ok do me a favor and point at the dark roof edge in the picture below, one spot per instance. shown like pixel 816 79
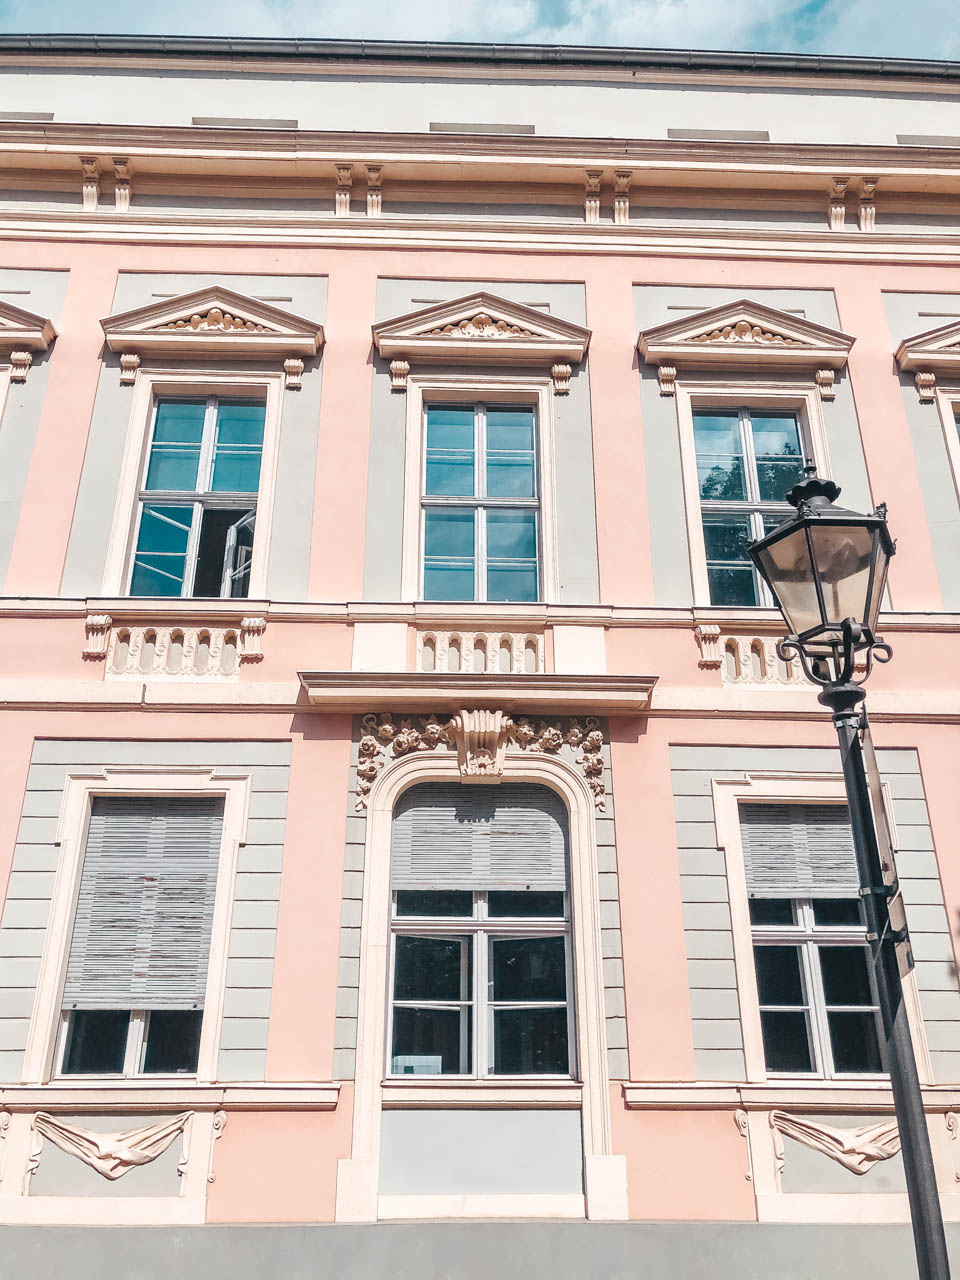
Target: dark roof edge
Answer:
pixel 505 54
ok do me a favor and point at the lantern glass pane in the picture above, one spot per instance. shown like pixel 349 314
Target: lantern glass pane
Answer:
pixel 879 584
pixel 787 565
pixel 844 554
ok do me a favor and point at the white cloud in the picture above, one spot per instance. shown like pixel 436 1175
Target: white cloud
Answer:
pixel 925 28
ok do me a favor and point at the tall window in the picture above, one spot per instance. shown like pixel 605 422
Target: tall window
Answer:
pixel 747 461
pixel 137 970
pixel 819 1008
pixel 198 502
pixel 481 977
pixel 481 503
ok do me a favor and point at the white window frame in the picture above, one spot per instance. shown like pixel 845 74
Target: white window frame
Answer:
pixel 693 397
pixel 475 389
pixel 43 1040
pixel 153 385
pixel 778 788
pixel 948 407
pixel 482 928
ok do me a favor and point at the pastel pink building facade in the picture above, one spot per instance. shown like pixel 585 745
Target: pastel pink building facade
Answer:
pixel 385 472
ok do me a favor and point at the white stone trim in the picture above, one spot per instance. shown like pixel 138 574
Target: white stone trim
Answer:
pixel 805 400
pixel 783 788
pixel 948 405
pixel 148 384
pixel 357 1185
pixel 78 792
pixel 475 387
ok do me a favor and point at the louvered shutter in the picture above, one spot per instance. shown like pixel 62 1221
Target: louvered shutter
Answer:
pixel 450 836
pixel 798 851
pixel 141 938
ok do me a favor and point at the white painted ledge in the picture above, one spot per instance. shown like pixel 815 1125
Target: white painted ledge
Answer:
pixel 70 1096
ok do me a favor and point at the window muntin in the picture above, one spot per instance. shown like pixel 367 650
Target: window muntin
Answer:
pixel 747 460
pixel 483 994
pixel 819 1010
pixel 480 503
pixel 198 501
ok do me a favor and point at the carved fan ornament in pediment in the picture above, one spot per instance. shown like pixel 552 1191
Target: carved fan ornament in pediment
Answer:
pixel 745 331
pixel 215 320
pixel 481 329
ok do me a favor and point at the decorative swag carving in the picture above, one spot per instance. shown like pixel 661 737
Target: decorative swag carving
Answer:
pixel 856 1149
pixel 481 739
pixel 110 1154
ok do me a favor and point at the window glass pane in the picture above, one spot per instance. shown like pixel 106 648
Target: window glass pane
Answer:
pixel 511 554
pixel 846 979
pixel 836 910
pixel 223 538
pixel 175 451
pixel 520 902
pixel 719 455
pixel 450 450
pixel 786 1044
pixel 160 560
pixel 530 1042
pixel 778 975
pixel 173 1041
pixel 434 902
pixel 236 459
pixel 729 570
pixel 448 547
pixel 431 1042
pixel 528 968
pixel 96 1042
pixel 432 969
pixel 511 460
pixel 732 586
pixel 771 911
pixel 853 1039
pixel 779 454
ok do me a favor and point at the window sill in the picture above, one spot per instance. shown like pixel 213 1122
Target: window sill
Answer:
pixel 126 1095
pixel 823 1095
pixel 482 1093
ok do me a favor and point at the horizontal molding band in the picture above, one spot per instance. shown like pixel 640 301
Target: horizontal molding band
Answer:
pixel 126 1096
pixel 815 1096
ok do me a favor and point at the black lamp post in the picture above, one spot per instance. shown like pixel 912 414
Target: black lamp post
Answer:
pixel 826 568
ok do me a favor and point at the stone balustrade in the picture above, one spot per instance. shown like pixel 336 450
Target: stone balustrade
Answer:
pixel 746 659
pixel 185 651
pixel 507 652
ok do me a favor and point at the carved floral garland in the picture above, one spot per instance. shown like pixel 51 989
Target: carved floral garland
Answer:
pixel 221 321
pixel 385 737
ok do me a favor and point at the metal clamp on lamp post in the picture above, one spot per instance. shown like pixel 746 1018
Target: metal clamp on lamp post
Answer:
pixel 826 567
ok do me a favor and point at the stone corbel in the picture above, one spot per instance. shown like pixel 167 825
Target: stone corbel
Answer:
pixel 481 740
pixel 129 364
pixel 867 209
pixel 374 190
pixel 293 373
pixel 110 1154
pixel 96 635
pixel 561 379
pixel 399 372
pixel 826 383
pixel 837 206
pixel 251 639
pixel 708 638
pixel 344 183
pixel 667 379
pixel 858 1150
pixel 90 189
pixel 621 196
pixel 926 384
pixel 591 196
pixel 219 1124
pixel 122 189
pixel 20 362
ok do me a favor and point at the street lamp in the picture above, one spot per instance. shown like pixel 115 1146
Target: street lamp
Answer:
pixel 826 568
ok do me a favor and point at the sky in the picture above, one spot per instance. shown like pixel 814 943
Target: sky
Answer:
pixel 890 28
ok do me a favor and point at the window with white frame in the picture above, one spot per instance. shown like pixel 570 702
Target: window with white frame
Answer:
pixel 747 461
pixel 198 498
pixel 481 967
pixel 819 1008
pixel 480 503
pixel 136 976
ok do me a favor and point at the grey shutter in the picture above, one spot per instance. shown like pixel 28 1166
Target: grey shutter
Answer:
pixel 452 836
pixel 141 938
pixel 798 851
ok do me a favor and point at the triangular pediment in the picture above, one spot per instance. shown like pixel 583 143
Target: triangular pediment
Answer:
pixel 24 330
pixel 744 332
pixel 481 327
pixel 214 319
pixel 935 349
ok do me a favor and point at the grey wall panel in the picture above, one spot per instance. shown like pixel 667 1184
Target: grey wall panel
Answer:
pixel 256 889
pixel 288 567
pixel 41 292
pixel 574 489
pixel 707 931
pixel 659 304
pixel 481 1152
